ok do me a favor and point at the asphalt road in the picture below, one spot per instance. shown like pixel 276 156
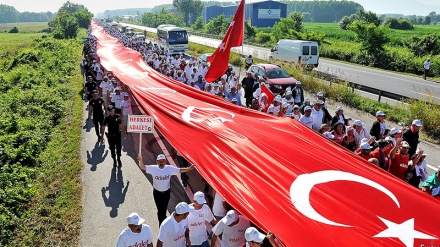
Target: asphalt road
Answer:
pixel 409 86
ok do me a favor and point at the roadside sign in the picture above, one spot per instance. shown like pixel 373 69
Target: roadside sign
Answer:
pixel 140 124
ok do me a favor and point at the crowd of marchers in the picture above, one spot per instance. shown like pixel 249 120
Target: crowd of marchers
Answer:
pixel 393 150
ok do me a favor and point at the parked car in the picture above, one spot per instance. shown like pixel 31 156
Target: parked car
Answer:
pixel 278 78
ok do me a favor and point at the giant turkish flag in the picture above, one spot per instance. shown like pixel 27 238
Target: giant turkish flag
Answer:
pixel 275 171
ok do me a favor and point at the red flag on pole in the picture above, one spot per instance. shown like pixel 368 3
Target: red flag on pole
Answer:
pixel 233 38
pixel 269 94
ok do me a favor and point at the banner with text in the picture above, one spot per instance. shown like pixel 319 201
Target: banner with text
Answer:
pixel 140 124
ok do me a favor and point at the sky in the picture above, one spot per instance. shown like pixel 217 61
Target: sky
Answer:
pixel 407 7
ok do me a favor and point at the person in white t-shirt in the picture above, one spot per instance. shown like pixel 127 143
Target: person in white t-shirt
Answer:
pixel 116 99
pixel 174 231
pixel 317 115
pixel 232 226
pixel 103 88
pixel 255 239
pixel 126 108
pixel 161 174
pixel 136 233
pixel 197 220
pixel 307 118
pixel 218 207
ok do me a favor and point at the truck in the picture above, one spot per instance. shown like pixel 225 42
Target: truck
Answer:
pixel 302 52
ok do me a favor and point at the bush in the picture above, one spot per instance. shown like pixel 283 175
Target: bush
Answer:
pixel 13 30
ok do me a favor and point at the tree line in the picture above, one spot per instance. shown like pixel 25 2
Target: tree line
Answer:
pixel 9 14
pixel 70 17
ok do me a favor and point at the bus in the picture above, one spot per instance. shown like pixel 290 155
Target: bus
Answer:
pixel 172 38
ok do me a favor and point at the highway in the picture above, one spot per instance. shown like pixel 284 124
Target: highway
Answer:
pixel 409 86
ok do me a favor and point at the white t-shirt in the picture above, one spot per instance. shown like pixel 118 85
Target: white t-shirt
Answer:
pixel 126 104
pixel 197 224
pixel 117 99
pixel 273 109
pixel 217 207
pixel 318 116
pixel 232 236
pixel 162 177
pixel 359 136
pixel 128 238
pixel 172 233
pixel 104 86
pixel 308 121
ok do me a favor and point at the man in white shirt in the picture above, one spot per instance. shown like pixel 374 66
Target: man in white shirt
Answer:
pixel 426 67
pixel 307 119
pixel 103 88
pixel 161 173
pixel 318 115
pixel 274 108
pixel 197 220
pixel 116 99
pixel 232 226
pixel 174 231
pixel 126 108
pixel 136 234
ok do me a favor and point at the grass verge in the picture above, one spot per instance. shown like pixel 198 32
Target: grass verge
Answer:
pixel 40 138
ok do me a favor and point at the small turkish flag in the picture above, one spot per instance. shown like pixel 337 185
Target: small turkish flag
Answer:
pixel 269 94
pixel 233 38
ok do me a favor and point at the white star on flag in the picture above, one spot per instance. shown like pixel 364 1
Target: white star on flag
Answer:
pixel 232 23
pixel 222 46
pixel 404 232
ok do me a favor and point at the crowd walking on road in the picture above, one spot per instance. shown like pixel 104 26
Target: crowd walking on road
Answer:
pixel 393 150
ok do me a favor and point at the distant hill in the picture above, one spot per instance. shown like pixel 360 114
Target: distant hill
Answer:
pixel 119 12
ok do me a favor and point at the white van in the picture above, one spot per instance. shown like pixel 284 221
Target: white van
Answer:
pixel 298 51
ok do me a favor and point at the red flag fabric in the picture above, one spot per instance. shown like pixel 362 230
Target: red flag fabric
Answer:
pixel 233 38
pixel 270 96
pixel 275 171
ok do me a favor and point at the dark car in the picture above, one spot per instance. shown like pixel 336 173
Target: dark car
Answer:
pixel 278 78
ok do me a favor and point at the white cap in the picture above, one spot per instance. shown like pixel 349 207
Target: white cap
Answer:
pixel 285 104
pixel 278 98
pixel 366 146
pixel 417 122
pixel 134 219
pixel 161 157
pixel 328 135
pixel 364 140
pixel 230 217
pixel 307 100
pixel 358 123
pixel 394 131
pixel 388 138
pixel 253 235
pixel 298 83
pixel 405 144
pixel 320 94
pixel 199 197
pixel 380 113
pixel 183 208
pixel 307 108
pixel 339 108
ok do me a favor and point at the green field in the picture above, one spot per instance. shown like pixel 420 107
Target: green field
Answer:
pixel 24 27
pixel 41 109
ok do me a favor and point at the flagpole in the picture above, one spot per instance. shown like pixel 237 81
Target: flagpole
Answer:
pixel 242 44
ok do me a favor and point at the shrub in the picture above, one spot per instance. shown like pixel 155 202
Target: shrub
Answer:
pixel 13 30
